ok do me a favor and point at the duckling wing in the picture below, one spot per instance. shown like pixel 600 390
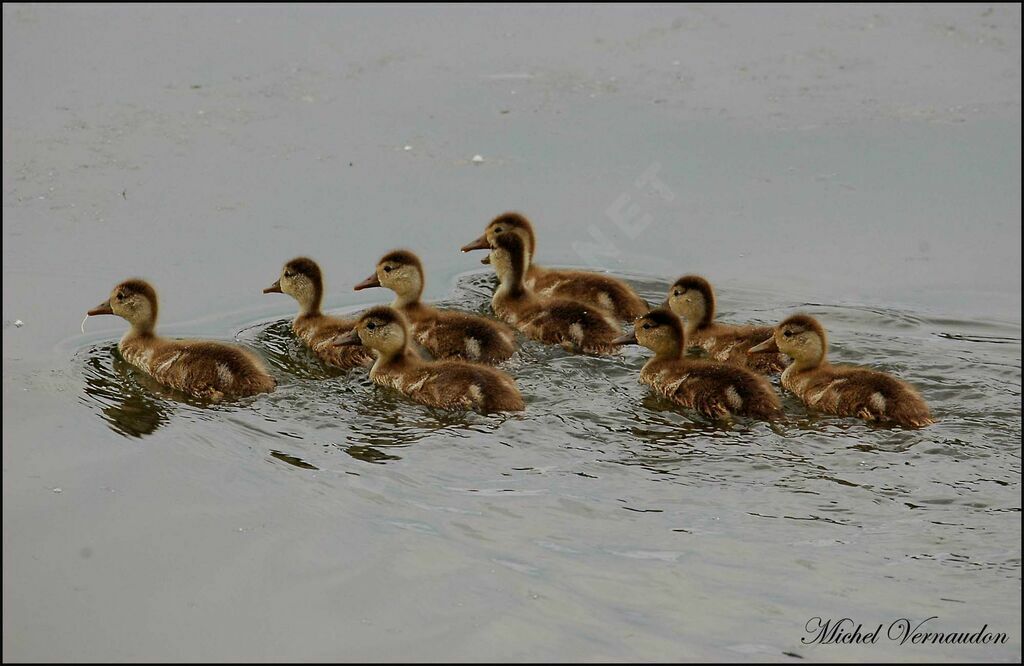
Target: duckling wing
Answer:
pixel 602 291
pixel 461 385
pixel 717 389
pixel 208 369
pixel 458 335
pixel 575 326
pixel 875 396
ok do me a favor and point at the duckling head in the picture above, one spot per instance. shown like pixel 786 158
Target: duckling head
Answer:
pixel 504 224
pixel 133 300
pixel 382 329
pixel 693 299
pixel 400 271
pixel 800 337
pixel 660 331
pixel 301 279
pixel 509 257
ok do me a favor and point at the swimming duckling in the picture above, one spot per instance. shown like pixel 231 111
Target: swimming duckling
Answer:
pixel 714 389
pixel 445 334
pixel 444 384
pixel 560 321
pixel 203 369
pixel 301 279
pixel 693 299
pixel 844 390
pixel 601 291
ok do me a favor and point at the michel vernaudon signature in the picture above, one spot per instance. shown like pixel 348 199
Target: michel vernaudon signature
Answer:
pixel 845 631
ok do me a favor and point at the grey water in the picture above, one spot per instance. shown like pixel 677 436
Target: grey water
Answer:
pixel 861 164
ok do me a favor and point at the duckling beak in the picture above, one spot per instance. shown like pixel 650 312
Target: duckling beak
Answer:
pixel 350 339
pixel 479 244
pixel 372 281
pixel 102 308
pixel 274 288
pixel 766 346
pixel 627 339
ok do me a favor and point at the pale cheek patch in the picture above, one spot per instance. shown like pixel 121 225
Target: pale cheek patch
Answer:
pixel 576 333
pixel 877 402
pixel 473 348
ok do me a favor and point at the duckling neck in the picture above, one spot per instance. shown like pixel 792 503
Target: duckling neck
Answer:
pixel 311 307
pixel 142 329
pixel 669 354
pixel 407 298
pixel 513 289
pixel 402 356
pixel 513 283
pixel 812 363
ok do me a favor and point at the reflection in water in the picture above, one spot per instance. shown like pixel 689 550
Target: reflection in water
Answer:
pixel 295 461
pixel 369 454
pixel 126 400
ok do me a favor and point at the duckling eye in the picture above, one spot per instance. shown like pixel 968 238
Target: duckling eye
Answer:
pixel 678 293
pixel 387 269
pixel 788 334
pixel 647 326
pixel 289 274
pixel 120 296
pixel 371 326
pixel 498 230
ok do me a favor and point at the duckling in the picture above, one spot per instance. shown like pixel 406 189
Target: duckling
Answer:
pixel 443 384
pixel 445 334
pixel 693 299
pixel 571 324
pixel 203 369
pixel 843 390
pixel 714 389
pixel 302 280
pixel 600 291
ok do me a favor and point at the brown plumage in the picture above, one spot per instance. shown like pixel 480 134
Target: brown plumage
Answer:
pixel 573 325
pixel 443 384
pixel 203 369
pixel 712 388
pixel 840 389
pixel 302 280
pixel 594 289
pixel 444 333
pixel 693 299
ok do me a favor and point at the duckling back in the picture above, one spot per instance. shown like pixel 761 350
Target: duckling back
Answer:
pixel 204 369
pixel 451 385
pixel 593 289
pixel 728 343
pixel 861 392
pixel 573 325
pixel 714 389
pixel 458 335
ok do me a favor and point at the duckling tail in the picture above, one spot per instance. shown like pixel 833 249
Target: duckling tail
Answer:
pixel 909 410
